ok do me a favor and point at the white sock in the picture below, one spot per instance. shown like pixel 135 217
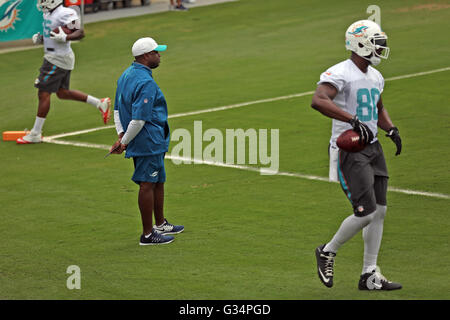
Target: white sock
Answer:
pixel 38 124
pixel 369 268
pixel 147 235
pixel 372 235
pixel 93 100
pixel 349 227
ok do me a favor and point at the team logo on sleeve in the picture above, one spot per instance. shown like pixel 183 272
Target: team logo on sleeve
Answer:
pixel 9 14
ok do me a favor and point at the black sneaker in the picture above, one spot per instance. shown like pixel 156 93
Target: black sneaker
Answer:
pixel 325 265
pixel 376 281
pixel 168 228
pixel 180 8
pixel 154 239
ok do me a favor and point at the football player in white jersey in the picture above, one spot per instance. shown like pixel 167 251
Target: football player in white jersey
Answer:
pixel 59 60
pixel 350 94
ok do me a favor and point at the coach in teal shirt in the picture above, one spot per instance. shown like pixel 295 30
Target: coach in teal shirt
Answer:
pixel 140 116
pixel 139 97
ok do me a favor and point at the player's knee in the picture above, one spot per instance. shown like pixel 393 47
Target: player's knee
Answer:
pixel 381 211
pixel 43 95
pixel 62 94
pixel 364 209
pixel 365 205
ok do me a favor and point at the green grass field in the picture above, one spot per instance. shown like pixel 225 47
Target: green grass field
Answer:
pixel 247 236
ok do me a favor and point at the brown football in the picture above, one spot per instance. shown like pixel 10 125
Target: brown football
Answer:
pixel 349 141
pixel 65 29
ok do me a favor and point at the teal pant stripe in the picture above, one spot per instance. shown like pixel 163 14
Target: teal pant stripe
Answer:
pixel 50 73
pixel 342 179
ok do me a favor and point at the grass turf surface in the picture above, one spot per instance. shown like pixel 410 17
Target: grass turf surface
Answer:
pixel 247 236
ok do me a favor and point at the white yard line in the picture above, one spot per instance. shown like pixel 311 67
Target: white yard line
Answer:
pixel 412 75
pixel 77 144
pixel 53 139
pixel 75 133
pixel 243 104
pixel 185 114
pixel 239 105
pixel 420 193
pixel 247 168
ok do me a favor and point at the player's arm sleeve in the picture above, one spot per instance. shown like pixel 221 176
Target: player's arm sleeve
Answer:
pixel 117 122
pixel 143 100
pixel 333 77
pixel 134 127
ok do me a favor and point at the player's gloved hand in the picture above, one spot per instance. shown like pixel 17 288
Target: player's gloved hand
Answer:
pixel 60 36
pixel 37 38
pixel 394 134
pixel 365 134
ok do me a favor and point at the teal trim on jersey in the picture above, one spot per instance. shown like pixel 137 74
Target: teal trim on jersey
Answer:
pixel 46 27
pixel 342 179
pixel 50 73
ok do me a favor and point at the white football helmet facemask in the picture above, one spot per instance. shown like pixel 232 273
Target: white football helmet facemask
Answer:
pixel 367 40
pixel 47 5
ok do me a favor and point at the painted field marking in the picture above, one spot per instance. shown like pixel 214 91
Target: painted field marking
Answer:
pixel 246 168
pixel 417 74
pixel 53 139
pixel 243 104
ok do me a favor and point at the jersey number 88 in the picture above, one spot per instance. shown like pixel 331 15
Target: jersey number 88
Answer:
pixel 367 100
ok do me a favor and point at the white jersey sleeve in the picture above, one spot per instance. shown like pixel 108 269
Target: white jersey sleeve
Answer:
pixel 335 76
pixel 68 16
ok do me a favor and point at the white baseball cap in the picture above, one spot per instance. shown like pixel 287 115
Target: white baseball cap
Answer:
pixel 145 45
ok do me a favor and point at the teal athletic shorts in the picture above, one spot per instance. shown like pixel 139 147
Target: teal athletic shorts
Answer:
pixel 149 169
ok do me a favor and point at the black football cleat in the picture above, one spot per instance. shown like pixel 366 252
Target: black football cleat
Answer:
pixel 325 265
pixel 376 281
